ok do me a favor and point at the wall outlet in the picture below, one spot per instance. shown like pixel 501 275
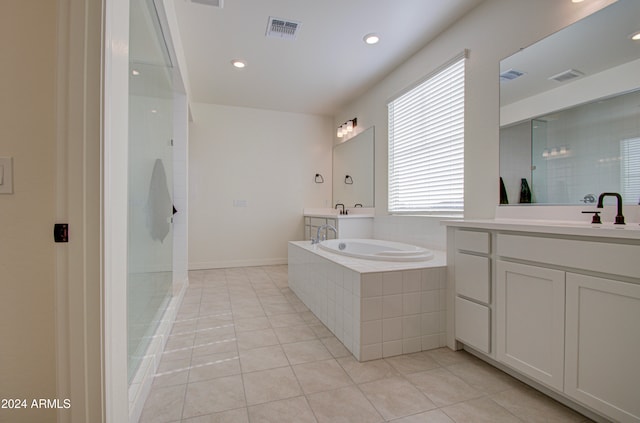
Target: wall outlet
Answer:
pixel 6 175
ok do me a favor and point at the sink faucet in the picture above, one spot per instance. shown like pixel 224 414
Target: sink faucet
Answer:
pixel 343 210
pixel 326 227
pixel 619 216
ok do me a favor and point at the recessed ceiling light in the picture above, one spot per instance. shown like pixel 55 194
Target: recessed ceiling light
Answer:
pixel 371 39
pixel 635 36
pixel 238 63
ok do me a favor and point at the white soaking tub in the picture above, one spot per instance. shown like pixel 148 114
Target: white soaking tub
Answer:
pixel 374 249
pixel 376 308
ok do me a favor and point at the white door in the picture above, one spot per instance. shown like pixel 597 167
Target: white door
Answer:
pixel 603 345
pixel 530 321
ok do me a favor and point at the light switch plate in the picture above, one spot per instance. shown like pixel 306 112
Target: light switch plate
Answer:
pixel 6 175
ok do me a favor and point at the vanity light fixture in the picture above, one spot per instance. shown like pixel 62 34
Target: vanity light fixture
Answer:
pixel 371 39
pixel 577 1
pixel 238 63
pixel 347 127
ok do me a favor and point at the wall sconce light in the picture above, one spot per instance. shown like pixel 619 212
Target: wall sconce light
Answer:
pixel 348 180
pixel 347 127
pixel 319 179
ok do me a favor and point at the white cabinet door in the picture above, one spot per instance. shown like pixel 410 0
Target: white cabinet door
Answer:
pixel 530 321
pixel 602 368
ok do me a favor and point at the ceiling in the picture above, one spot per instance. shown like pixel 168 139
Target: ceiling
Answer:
pixel 326 66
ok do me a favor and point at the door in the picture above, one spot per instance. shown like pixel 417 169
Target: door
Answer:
pixel 603 345
pixel 530 321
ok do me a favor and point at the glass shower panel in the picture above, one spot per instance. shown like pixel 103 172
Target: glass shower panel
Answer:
pixel 150 243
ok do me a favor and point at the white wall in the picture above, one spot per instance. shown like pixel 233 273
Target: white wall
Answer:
pixel 264 161
pixel 492 31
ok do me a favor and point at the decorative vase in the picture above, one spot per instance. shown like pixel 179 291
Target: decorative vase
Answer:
pixel 525 192
pixel 503 193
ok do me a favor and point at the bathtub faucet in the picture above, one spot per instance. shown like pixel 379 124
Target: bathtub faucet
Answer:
pixel 319 237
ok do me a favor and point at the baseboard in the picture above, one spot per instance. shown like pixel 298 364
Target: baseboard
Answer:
pixel 236 263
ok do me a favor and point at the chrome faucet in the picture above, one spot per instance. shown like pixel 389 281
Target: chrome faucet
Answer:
pixel 320 238
pixel 343 211
pixel 619 216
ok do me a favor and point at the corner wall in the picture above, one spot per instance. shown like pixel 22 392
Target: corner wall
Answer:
pixel 251 173
pixel 493 30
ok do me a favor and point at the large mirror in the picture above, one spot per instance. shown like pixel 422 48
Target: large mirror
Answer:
pixel 570 113
pixel 353 171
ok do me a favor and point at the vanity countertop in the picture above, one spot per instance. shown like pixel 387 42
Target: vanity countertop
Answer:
pixel 354 213
pixel 629 231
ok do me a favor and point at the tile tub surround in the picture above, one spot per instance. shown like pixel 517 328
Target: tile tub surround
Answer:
pixel 376 309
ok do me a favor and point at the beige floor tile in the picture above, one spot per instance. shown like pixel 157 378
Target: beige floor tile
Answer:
pixel 215 395
pixel 246 312
pixel 256 339
pixel 164 405
pixel 367 371
pixel 270 385
pixel 263 358
pixel 272 309
pixel 447 357
pixel 306 351
pixel 534 407
pixel 251 323
pixel 483 377
pixel 176 342
pixel 335 347
pixel 289 334
pixel 433 416
pixel 321 376
pixel 219 333
pixel 482 410
pixel 443 387
pixel 287 319
pixel 179 377
pixel 239 415
pixel 395 397
pixel 346 405
pixel 214 366
pixel 215 347
pixel 412 363
pixel 320 330
pixel 288 410
pixel 273 299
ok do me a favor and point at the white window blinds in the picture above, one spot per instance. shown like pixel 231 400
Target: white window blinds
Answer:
pixel 426 145
pixel 630 169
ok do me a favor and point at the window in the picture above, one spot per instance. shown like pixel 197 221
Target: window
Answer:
pixel 426 145
pixel 630 169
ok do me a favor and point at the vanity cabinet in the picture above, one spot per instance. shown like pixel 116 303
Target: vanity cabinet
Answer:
pixel 561 310
pixel 602 360
pixel 530 307
pixel 473 289
pixel 349 226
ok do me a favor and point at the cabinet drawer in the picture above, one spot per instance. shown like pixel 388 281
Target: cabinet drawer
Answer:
pixel 472 324
pixel 472 275
pixel 477 242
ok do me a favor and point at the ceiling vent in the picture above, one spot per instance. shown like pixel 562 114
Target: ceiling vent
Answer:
pixel 215 3
pixel 282 28
pixel 566 75
pixel 510 75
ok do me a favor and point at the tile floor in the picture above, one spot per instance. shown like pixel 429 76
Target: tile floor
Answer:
pixel 244 349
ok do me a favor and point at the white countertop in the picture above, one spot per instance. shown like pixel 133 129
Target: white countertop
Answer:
pixel 552 227
pixel 354 213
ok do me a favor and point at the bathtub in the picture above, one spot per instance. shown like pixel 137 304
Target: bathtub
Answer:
pixel 376 308
pixel 373 249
